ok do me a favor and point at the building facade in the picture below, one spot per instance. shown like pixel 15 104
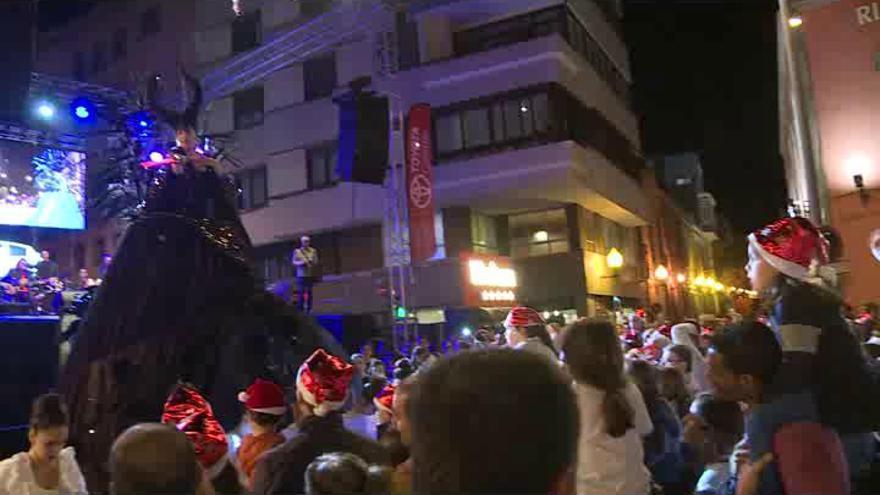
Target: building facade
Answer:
pixel 829 84
pixel 136 39
pixel 536 150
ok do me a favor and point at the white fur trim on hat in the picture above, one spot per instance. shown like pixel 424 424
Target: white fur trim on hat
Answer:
pixel 275 411
pixel 321 409
pixel 789 268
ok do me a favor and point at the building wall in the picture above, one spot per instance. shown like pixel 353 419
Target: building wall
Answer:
pixel 840 60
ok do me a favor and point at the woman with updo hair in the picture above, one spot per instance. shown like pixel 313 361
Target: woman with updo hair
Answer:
pixel 48 467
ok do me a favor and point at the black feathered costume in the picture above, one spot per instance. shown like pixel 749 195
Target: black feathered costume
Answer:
pixel 179 303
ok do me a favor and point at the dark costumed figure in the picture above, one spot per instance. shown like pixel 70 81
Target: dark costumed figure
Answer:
pixel 179 303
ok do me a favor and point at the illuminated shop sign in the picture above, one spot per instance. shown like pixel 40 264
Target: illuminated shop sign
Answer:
pixel 497 296
pixel 867 14
pixel 489 274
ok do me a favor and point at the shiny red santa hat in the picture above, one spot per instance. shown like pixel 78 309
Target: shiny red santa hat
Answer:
pixel 522 316
pixel 322 382
pixel 796 248
pixel 188 411
pixel 384 400
pixel 263 396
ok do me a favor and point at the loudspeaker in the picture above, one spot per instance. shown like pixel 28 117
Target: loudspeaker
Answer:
pixel 363 138
pixel 17 21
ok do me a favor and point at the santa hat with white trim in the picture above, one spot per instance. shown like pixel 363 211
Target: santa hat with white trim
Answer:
pixel 384 400
pixel 797 249
pixel 522 316
pixel 322 382
pixel 265 397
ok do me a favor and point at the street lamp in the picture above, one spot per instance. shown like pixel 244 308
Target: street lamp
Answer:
pixel 614 259
pixel 795 21
pixel 681 278
pixel 661 273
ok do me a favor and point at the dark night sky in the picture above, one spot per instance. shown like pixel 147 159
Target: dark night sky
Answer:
pixel 705 80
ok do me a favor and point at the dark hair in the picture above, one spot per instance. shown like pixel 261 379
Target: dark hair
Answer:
pixel 724 417
pixel 342 473
pixel 540 332
pixel 672 388
pixel 48 411
pixel 593 354
pixel 685 353
pixel 226 481
pixel 471 433
pixel 749 348
pixel 372 386
pixel 264 419
pixel 153 458
pixel 644 375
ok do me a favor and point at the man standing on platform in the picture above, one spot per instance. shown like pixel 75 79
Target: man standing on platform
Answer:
pixel 305 261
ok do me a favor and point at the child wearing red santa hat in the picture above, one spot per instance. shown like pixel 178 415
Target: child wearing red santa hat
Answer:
pixel 264 407
pixel 789 265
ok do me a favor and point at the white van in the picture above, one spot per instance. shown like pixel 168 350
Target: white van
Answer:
pixel 11 252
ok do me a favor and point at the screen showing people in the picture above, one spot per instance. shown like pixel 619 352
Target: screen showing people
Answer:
pixel 41 187
pixel 37 288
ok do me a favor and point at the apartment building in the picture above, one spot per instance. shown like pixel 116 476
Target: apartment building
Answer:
pixel 536 150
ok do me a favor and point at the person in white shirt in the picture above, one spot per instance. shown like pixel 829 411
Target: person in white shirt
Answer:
pixel 47 467
pixel 687 334
pixel 613 415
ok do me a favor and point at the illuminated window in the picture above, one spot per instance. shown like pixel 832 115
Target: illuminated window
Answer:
pixel 538 233
pixel 484 234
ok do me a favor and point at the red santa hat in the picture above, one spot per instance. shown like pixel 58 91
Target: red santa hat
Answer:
pixel 384 400
pixel 796 248
pixel 322 382
pixel 522 316
pixel 263 396
pixel 188 411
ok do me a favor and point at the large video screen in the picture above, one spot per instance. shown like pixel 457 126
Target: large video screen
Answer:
pixel 41 187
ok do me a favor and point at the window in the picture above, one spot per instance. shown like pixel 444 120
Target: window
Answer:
pixel 120 44
pixel 99 60
pixel 319 76
pixel 448 129
pixel 484 234
pixel 538 233
pixel 312 8
pixel 79 66
pixel 321 162
pixel 248 108
pixel 493 122
pixel 253 188
pixel 246 32
pixel 151 21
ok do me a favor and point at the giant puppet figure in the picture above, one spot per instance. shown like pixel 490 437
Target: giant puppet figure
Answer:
pixel 178 303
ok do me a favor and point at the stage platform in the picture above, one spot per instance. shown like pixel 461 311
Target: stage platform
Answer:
pixel 28 368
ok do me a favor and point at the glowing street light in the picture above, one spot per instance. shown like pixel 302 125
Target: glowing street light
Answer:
pixel 661 273
pixel 795 21
pixel 614 259
pixel 681 278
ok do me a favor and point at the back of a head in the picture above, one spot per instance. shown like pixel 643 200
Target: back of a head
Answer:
pixel 342 473
pixel 540 332
pixel 594 357
pixel 492 421
pixel 152 458
pixel 645 376
pixel 749 348
pixel 723 416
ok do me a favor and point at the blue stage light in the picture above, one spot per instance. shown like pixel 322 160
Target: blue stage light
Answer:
pixel 82 109
pixel 82 112
pixel 143 123
pixel 156 156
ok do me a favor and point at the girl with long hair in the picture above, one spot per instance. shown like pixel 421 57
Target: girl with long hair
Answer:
pixel 613 415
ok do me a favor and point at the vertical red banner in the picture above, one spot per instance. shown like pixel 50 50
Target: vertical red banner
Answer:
pixel 420 183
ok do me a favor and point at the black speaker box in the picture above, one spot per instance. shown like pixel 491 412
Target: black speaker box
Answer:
pixel 363 139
